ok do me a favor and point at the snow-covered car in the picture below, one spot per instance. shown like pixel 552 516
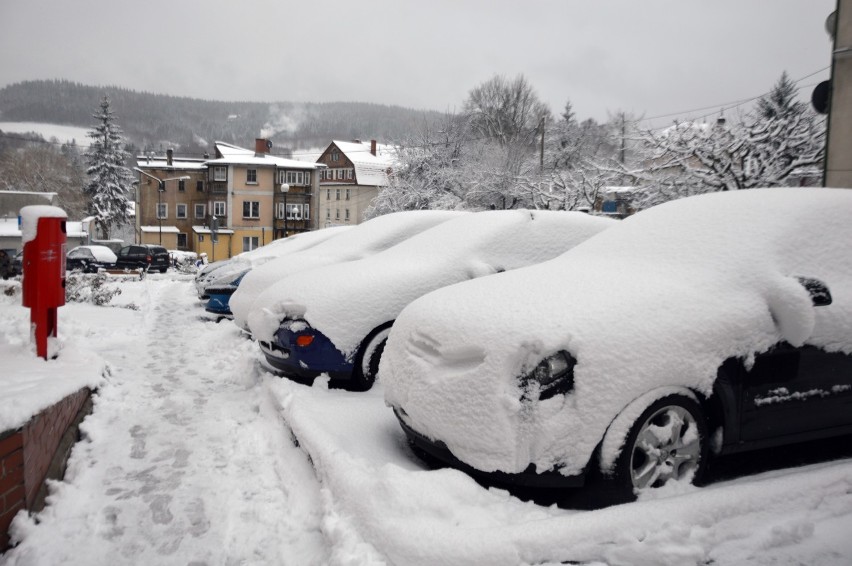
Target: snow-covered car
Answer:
pixel 335 319
pixel 224 272
pixel 363 240
pixel 712 324
pixel 89 259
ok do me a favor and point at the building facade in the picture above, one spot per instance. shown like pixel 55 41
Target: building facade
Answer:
pixel 353 175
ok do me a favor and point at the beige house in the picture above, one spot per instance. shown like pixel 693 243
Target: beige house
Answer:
pixel 354 173
pixel 254 197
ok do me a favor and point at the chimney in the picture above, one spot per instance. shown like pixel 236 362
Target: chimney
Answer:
pixel 169 156
pixel 262 145
pixel 373 147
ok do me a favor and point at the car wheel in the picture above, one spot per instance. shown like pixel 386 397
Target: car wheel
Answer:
pixel 368 358
pixel 668 442
pixel 163 269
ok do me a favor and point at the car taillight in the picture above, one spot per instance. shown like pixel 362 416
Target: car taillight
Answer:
pixel 304 340
pixel 148 258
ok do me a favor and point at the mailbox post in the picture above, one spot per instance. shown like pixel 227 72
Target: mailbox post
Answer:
pixel 43 283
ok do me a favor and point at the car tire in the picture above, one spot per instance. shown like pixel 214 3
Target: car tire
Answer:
pixel 367 360
pixel 163 269
pixel 668 442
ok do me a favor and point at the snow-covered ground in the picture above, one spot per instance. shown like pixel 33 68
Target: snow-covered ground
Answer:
pixel 63 133
pixel 196 455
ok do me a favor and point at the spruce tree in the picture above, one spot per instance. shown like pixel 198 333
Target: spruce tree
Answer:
pixel 110 181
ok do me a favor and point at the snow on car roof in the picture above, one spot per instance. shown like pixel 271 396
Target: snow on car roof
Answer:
pixel 364 239
pixel 275 249
pixel 662 299
pixel 346 301
pixel 101 253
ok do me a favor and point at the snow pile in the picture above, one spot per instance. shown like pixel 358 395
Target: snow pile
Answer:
pixel 30 216
pixel 660 300
pixel 382 505
pixel 31 384
pixel 361 241
pixel 346 301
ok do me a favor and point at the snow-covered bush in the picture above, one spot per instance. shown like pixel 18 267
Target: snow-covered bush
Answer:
pixel 89 288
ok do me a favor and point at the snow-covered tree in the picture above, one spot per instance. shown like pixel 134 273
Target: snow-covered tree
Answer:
pixel 110 181
pixel 780 143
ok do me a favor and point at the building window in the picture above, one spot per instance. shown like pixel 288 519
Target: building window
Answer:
pixel 306 212
pixel 250 243
pixel 307 178
pixel 350 173
pixel 336 194
pixel 347 194
pixel 335 156
pixel 201 238
pixel 279 211
pixel 181 241
pixel 337 214
pixel 199 211
pixel 347 215
pixel 328 214
pixel 219 208
pixel 182 185
pixel 220 173
pixel 328 194
pixel 251 209
pixel 162 210
pixel 180 211
pixel 199 186
pixel 251 176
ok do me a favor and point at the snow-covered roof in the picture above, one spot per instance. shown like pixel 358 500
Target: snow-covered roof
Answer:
pixel 369 169
pixel 163 229
pixel 46 196
pixel 206 230
pixel 233 155
pixel 9 228
pixel 145 162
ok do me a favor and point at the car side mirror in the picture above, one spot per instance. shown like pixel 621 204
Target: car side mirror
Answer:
pixel 820 295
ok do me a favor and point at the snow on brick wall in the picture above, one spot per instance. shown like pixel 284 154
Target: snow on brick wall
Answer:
pixel 11 481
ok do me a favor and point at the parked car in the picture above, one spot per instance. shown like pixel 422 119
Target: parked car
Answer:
pixel 90 259
pixel 360 241
pixel 335 319
pixel 709 325
pixel 222 275
pixel 145 256
pixel 18 264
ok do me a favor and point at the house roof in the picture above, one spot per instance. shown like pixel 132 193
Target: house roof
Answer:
pixel 369 169
pixel 156 229
pixel 159 162
pixel 233 155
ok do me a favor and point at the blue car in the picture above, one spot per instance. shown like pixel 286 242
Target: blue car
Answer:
pixel 220 295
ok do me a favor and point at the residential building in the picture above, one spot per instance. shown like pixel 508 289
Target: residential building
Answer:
pixel 355 172
pixel 254 197
pixel 166 212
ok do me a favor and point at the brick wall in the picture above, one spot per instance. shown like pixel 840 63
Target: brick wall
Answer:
pixel 12 494
pixel 33 453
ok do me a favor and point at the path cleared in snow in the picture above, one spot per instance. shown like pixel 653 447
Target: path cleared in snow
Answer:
pixel 185 459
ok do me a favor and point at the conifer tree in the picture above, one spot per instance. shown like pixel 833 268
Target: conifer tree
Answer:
pixel 110 181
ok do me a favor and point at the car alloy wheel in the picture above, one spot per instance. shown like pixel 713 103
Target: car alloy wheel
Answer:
pixel 667 443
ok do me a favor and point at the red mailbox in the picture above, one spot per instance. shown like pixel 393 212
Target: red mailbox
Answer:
pixel 43 281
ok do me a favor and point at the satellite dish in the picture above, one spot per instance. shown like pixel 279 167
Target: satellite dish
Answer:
pixel 820 96
pixel 831 24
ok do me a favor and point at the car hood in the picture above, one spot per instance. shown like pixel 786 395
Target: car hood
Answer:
pixel 661 300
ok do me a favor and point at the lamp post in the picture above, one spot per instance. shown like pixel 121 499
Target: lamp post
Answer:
pixel 285 188
pixel 161 188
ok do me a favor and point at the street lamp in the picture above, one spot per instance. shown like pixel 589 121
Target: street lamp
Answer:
pixel 285 188
pixel 161 188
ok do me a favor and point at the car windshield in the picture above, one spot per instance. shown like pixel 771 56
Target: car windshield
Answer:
pixel 81 253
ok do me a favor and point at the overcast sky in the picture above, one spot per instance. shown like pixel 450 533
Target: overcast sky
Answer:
pixel 645 57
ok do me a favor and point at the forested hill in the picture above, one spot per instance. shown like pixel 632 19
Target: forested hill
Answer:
pixel 156 121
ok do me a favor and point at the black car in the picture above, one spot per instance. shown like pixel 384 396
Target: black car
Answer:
pixel 89 259
pixel 146 256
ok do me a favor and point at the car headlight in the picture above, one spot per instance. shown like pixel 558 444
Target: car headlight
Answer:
pixel 554 375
